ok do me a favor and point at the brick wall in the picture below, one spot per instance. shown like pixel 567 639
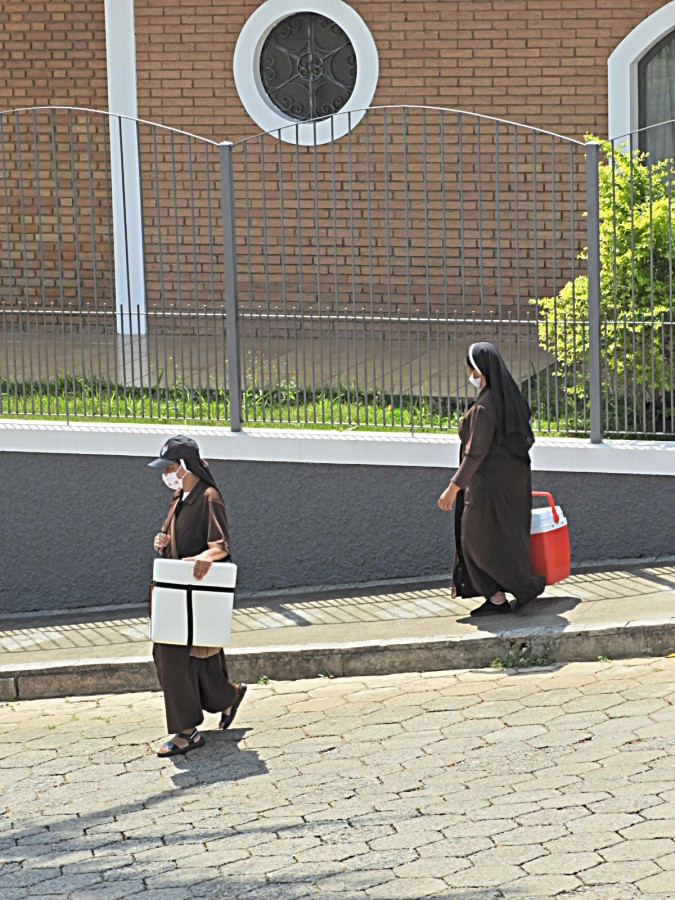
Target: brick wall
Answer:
pixel 538 61
pixel 53 54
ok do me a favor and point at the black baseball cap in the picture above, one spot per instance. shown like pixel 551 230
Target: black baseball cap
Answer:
pixel 175 449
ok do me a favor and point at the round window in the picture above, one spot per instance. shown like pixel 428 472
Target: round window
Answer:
pixel 308 66
pixel 306 69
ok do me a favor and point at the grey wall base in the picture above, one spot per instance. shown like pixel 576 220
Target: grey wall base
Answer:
pixel 77 530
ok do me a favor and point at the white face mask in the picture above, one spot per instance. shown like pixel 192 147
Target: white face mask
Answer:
pixel 475 381
pixel 171 479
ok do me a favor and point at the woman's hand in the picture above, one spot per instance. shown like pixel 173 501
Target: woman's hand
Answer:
pixel 203 563
pixel 161 541
pixel 447 499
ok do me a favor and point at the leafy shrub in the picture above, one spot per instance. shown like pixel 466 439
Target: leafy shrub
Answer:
pixel 637 218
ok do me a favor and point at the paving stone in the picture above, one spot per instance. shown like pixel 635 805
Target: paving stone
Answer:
pixel 433 867
pixel 635 850
pixel 627 872
pixel 657 884
pixel 538 887
pixel 350 882
pixel 485 876
pixel 399 889
pixel 565 863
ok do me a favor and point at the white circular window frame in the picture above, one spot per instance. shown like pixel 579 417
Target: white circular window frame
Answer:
pixel 249 83
pixel 622 69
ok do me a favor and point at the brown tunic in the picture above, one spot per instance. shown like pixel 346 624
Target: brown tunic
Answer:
pixel 194 678
pixel 201 524
pixel 493 512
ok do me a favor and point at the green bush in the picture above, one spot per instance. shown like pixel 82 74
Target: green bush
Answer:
pixel 637 219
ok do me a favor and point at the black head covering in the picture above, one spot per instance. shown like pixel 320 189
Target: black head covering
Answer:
pixel 514 432
pixel 186 449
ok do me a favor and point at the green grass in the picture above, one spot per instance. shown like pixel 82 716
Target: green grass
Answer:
pixel 326 407
pixel 336 407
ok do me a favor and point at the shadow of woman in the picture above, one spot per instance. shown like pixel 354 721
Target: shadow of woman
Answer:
pixel 220 760
pixel 543 614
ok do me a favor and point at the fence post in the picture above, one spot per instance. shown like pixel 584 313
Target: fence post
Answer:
pixel 230 271
pixel 593 236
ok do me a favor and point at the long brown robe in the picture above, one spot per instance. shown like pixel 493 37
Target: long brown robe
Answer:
pixel 194 679
pixel 493 512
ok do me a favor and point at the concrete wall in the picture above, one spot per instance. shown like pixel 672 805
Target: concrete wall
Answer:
pixel 77 530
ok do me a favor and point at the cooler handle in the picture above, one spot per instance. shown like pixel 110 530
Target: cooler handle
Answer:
pixel 549 497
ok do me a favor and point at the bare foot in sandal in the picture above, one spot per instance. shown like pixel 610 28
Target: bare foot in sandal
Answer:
pixel 182 743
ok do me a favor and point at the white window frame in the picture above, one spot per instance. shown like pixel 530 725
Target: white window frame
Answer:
pixel 249 84
pixel 622 69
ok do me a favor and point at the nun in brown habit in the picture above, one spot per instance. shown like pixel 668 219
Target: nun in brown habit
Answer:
pixel 492 490
pixel 193 679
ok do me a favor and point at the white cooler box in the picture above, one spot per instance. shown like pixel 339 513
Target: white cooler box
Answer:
pixel 185 611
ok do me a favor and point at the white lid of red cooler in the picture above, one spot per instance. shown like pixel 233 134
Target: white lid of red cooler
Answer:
pixel 542 520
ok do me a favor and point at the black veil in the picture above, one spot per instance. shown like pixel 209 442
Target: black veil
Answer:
pixel 200 468
pixel 513 412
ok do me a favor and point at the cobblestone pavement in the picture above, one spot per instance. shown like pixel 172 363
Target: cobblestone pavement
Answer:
pixel 468 784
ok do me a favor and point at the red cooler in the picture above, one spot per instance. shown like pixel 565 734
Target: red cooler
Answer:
pixel 549 541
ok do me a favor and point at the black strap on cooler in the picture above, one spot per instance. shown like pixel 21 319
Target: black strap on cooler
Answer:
pixel 189 588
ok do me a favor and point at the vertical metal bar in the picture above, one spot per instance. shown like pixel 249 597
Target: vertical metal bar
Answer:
pixel 335 305
pixel 371 296
pixel 107 137
pixel 516 212
pixel 284 303
pixel 152 319
pixel 406 216
pixel 38 197
pixel 479 179
pixel 160 262
pixel 212 281
pixel 195 299
pixel 593 236
pixel 350 177
pixel 427 269
pixel 230 271
pixel 387 250
pixel 615 284
pixel 246 391
pixel 92 224
pixel 498 217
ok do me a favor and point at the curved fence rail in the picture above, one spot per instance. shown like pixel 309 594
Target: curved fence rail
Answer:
pixel 149 273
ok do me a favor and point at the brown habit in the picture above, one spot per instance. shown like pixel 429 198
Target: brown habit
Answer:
pixel 493 512
pixel 194 678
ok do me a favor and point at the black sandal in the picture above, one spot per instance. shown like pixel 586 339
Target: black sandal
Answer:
pixel 194 740
pixel 226 719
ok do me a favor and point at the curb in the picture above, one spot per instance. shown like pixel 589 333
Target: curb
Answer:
pixel 586 643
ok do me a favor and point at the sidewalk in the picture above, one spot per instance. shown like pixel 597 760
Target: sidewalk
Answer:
pixel 617 614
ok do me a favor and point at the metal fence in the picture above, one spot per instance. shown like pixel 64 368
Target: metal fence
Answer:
pixel 151 274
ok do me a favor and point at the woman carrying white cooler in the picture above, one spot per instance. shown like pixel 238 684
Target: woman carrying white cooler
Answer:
pixel 193 679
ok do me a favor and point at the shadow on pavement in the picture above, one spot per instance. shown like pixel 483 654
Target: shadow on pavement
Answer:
pixel 546 613
pixel 220 760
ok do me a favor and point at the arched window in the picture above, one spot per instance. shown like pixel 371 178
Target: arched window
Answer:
pixel 656 98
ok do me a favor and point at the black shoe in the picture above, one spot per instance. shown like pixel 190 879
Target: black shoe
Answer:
pixel 491 609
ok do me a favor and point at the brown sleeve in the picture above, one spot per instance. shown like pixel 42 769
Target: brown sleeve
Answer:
pixel 217 537
pixel 482 430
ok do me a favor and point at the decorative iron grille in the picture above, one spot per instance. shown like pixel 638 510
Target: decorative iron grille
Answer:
pixel 308 66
